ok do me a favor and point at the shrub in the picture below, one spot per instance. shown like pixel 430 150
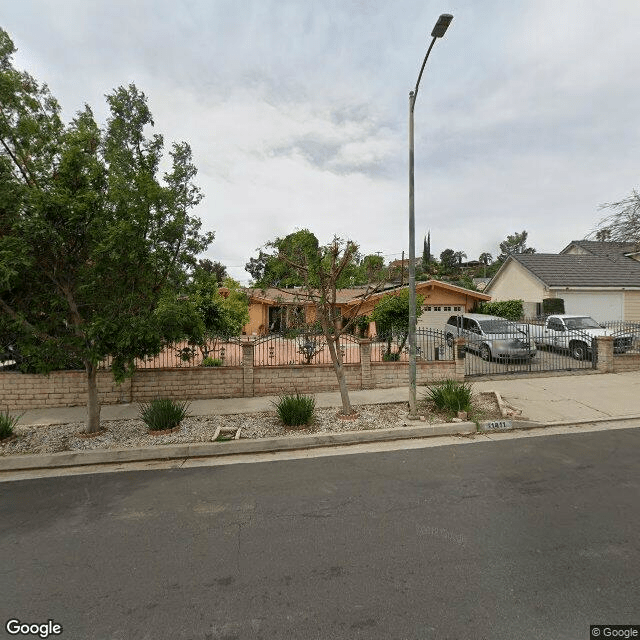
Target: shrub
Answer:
pixel 509 309
pixel 211 362
pixel 163 413
pixel 7 424
pixel 450 395
pixel 390 357
pixel 295 410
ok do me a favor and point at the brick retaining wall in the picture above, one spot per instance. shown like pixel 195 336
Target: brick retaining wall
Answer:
pixel 626 362
pixel 68 388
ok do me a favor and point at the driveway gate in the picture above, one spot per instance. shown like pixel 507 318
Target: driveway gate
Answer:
pixel 519 350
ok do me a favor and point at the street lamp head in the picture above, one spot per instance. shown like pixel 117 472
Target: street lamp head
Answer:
pixel 441 26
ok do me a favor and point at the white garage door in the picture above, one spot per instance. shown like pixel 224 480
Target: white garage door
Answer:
pixel 600 305
pixel 435 317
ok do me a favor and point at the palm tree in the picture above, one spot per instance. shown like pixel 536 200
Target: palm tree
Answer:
pixel 459 255
pixel 486 259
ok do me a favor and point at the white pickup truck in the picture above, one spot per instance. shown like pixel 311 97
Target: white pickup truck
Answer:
pixel 575 335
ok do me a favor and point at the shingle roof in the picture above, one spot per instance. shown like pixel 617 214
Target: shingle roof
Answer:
pixel 611 250
pixel 582 270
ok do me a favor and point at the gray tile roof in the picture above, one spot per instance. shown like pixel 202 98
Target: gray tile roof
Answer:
pixel 611 250
pixel 562 270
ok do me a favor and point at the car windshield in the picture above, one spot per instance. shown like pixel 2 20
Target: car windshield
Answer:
pixel 581 323
pixel 498 326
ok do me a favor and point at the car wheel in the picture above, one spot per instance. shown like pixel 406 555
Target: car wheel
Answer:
pixel 578 350
pixel 485 352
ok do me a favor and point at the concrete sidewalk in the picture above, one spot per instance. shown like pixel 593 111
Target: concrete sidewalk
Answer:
pixel 568 398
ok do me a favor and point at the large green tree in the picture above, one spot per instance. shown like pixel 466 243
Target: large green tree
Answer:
pixel 94 240
pixel 514 244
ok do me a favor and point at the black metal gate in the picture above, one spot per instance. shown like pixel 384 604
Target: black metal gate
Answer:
pixel 522 349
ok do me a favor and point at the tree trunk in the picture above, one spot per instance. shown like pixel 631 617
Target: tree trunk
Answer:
pixel 336 358
pixel 93 405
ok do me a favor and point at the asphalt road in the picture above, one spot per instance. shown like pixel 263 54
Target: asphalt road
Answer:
pixel 532 538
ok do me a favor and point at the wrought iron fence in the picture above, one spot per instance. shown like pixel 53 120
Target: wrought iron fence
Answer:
pixel 626 336
pixel 431 345
pixel 494 347
pixel 303 348
pixel 220 352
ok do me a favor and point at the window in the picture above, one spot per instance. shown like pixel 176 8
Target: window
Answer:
pixel 458 308
pixel 446 308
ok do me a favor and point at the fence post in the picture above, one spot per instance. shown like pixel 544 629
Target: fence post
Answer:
pixel 247 368
pixel 604 354
pixel 365 364
pixel 458 356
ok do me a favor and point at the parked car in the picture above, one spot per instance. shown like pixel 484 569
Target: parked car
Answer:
pixel 491 337
pixel 575 334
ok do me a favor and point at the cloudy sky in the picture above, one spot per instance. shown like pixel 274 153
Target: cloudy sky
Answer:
pixel 528 115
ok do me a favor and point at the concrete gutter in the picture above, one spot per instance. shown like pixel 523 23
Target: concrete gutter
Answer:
pixel 211 449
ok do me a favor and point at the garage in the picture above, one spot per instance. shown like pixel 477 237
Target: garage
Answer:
pixel 602 306
pixel 436 316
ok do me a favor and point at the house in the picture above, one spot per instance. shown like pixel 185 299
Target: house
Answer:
pixel 273 310
pixel 599 279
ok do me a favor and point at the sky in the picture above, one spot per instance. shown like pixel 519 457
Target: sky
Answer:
pixel 527 118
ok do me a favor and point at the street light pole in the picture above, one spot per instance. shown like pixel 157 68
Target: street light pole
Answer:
pixel 438 31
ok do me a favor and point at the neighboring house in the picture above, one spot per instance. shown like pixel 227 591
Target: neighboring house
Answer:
pixel 274 310
pixel 599 279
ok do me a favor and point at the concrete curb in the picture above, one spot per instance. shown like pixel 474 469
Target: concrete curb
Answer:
pixel 213 449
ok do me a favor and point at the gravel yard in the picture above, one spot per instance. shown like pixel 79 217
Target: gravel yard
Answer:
pixel 134 433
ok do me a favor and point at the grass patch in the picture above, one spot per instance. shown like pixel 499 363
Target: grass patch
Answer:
pixel 163 413
pixel 295 410
pixel 7 424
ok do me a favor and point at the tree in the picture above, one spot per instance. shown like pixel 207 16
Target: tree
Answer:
pixel 514 244
pixel 371 269
pixel 93 243
pixel 391 315
pixel 215 268
pixel 460 255
pixel 219 317
pixel 623 224
pixel 268 267
pixel 426 253
pixel 448 260
pixel 322 270
pixel 485 259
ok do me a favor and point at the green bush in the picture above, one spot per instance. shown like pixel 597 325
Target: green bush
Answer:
pixel 295 410
pixel 450 395
pixel 163 413
pixel 390 357
pixel 509 309
pixel 7 424
pixel 211 362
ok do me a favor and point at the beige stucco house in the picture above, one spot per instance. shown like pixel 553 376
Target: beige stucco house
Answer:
pixel 599 279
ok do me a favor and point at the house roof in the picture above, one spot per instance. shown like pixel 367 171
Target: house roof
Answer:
pixel 353 295
pixel 297 295
pixel 585 270
pixel 610 250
